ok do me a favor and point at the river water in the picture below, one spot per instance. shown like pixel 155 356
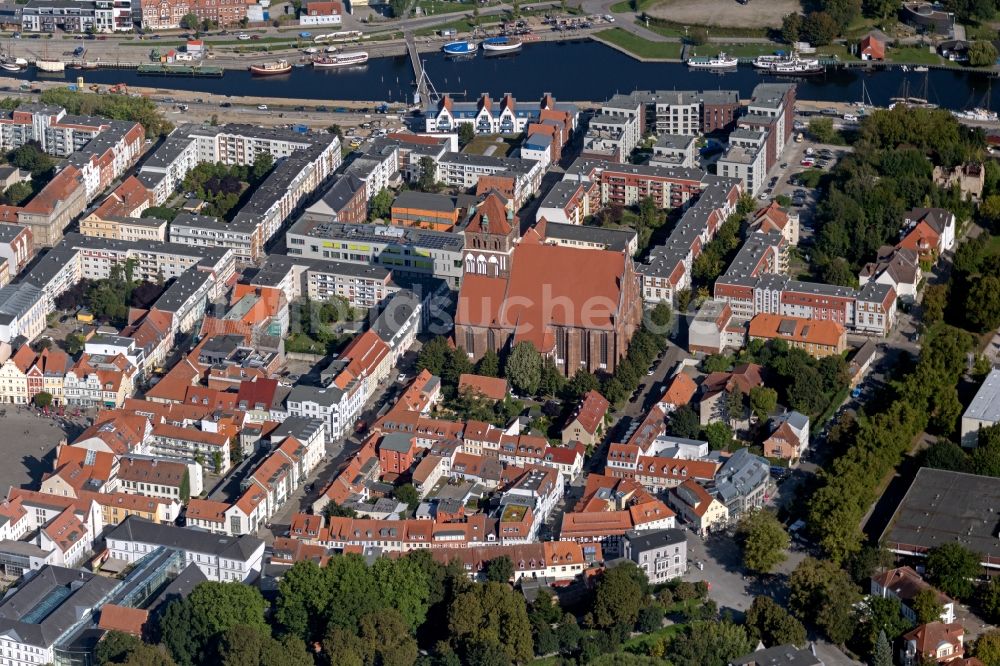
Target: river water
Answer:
pixel 575 70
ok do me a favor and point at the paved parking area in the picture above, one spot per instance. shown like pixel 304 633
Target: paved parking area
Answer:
pixel 29 446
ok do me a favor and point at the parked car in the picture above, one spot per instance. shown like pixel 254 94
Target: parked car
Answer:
pixel 262 107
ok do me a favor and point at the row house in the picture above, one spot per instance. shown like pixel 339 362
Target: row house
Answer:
pixel 98 380
pixel 549 560
pixel 667 268
pixel 489 116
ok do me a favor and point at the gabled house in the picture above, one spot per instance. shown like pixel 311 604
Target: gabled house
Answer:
pixel 587 425
pixel 790 437
pixel 904 584
pixel 697 507
pixel 934 641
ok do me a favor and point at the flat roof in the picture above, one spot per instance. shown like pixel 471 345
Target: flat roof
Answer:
pixel 942 507
pixel 986 405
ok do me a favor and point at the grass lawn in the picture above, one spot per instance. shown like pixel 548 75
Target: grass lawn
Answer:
pixel 434 7
pixel 981 31
pixel 631 6
pixel 502 144
pixel 641 47
pixel 994 244
pixel 461 26
pixel 641 644
pixel 831 50
pixel 738 50
pixel 920 55
pixel 670 30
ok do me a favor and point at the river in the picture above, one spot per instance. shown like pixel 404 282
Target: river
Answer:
pixel 575 70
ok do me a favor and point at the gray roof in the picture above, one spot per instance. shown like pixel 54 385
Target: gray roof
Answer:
pixel 947 507
pixel 986 405
pixel 674 141
pixel 399 308
pixel 181 289
pixel 8 232
pixel 325 397
pixel 613 239
pixel 442 203
pixel 46 607
pixel 17 299
pixel 138 530
pixel 740 475
pixel 652 539
pixel 396 441
pixel 313 227
pixel 779 655
pixel 301 428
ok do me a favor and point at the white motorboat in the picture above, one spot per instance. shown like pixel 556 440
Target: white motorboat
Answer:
pixel 721 61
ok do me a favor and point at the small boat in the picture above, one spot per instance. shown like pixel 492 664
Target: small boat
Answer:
pixel 904 68
pixel 10 66
pixel 460 48
pixel 311 50
pixel 341 60
pixel 50 65
pixel 920 68
pixel 89 65
pixel 501 44
pixel 721 61
pixel 271 68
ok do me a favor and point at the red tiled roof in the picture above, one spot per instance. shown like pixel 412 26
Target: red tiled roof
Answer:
pixel 489 387
pixel 540 276
pixel 123 618
pixel 592 411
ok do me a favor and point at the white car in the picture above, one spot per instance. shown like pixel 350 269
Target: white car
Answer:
pixel 401 377
pixel 243 37
pixel 262 107
pixel 609 18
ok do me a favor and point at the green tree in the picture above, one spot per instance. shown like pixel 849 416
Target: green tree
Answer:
pixel 552 381
pixel 718 435
pixel 302 602
pixel 427 181
pixel 764 541
pixel 402 584
pixel 953 568
pixel 42 399
pixel 494 615
pixel 190 21
pixel 819 28
pixel 822 130
pixel 434 355
pixel 489 364
pixel 499 570
pixel 709 644
pixel 791 25
pixel 466 133
pixel 381 205
pixel 17 193
pixel 408 494
pixel 882 9
pixel 771 624
pixel 988 599
pixel 763 401
pixel 988 648
pixel 115 647
pixel 74 343
pixel 334 510
pixel 684 422
pixel 882 656
pixel 985 299
pixel 823 594
pixel 734 406
pixel 697 36
pixel 580 384
pixel 243 645
pixel 524 368
pixel 926 605
pixel 619 595
pixel 982 53
pixel 881 616
pixel 191 626
pixel 336 130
